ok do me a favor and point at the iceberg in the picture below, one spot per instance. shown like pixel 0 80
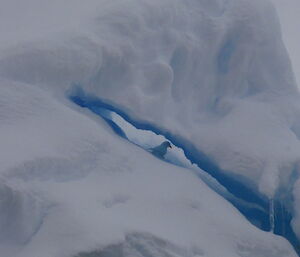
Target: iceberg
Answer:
pixel 211 76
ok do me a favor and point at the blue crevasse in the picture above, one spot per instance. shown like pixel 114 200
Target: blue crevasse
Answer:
pixel 269 215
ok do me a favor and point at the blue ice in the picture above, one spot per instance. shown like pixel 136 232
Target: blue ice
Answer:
pixel 274 215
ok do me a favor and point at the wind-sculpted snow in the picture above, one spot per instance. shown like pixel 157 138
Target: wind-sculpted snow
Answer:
pixel 211 72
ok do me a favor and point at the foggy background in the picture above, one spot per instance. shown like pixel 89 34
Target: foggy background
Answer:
pixel 289 11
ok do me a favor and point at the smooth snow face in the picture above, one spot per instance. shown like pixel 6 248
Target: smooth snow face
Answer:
pixel 212 72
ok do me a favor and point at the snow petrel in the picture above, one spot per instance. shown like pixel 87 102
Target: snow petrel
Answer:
pixel 161 150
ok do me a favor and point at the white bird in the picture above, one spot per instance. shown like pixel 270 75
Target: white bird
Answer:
pixel 161 150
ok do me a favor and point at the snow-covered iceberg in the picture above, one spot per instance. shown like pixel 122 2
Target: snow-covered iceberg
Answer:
pixel 213 73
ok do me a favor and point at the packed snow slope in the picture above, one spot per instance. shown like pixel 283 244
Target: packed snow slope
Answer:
pixel 213 72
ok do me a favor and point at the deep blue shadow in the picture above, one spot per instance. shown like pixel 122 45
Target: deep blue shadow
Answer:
pixel 258 216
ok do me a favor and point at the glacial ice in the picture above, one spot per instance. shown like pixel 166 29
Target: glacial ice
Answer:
pixel 211 72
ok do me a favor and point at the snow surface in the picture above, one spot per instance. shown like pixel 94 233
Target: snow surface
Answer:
pixel 214 72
